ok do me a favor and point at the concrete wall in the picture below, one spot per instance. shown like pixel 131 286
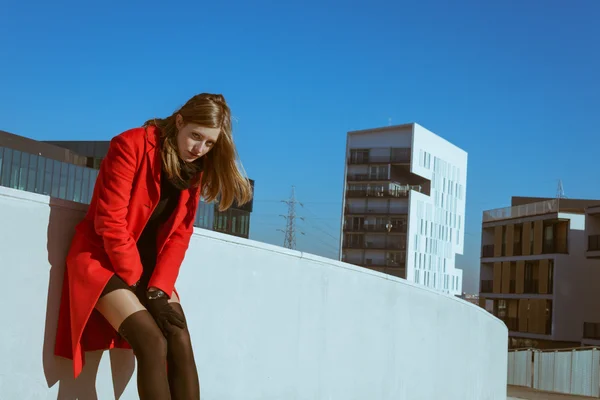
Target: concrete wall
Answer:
pixel 267 323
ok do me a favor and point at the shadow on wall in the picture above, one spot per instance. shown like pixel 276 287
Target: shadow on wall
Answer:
pixel 61 224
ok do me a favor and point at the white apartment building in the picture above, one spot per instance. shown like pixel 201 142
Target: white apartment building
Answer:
pixel 404 205
pixel 538 272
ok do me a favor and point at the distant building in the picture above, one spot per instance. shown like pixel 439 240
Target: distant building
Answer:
pixel 404 205
pixel 471 298
pixel 535 275
pixel 591 326
pixel 68 170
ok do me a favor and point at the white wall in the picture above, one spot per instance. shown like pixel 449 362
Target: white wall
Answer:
pixel 443 212
pixel 267 323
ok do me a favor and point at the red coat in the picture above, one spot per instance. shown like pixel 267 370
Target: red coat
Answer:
pixel 126 192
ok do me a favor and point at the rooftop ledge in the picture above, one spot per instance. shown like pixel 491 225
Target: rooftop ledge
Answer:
pixel 525 210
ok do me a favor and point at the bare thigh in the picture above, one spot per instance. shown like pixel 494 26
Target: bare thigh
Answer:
pixel 117 305
pixel 174 298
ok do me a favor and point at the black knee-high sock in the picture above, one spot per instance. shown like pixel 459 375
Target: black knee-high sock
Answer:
pixel 183 375
pixel 150 348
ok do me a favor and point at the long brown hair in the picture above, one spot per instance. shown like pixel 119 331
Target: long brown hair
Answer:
pixel 222 178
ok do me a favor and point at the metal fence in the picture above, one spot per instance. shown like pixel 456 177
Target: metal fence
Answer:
pixel 520 367
pixel 573 371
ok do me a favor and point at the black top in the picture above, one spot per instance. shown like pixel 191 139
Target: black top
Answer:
pixel 170 192
pixel 169 197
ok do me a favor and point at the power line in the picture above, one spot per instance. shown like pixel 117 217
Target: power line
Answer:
pixel 304 202
pixel 278 215
pixel 289 240
pixel 324 224
pixel 323 231
pixel 325 244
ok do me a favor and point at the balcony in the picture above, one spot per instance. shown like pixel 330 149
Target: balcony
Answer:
pixel 593 250
pixel 375 245
pixel 518 249
pixel 384 245
pixel 487 286
pixel 531 286
pixel 512 323
pixel 398 271
pixel 397 244
pixel 591 330
pixel 391 263
pixel 366 177
pixel 376 210
pixel 377 228
pixel 593 242
pixel 487 251
pixel 526 210
pixel 552 246
pixel 386 193
pixel 396 156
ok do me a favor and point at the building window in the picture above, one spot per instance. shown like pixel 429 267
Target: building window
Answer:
pixel 78 184
pixel 23 172
pixel 14 172
pixel 31 173
pixel 39 175
pixel 71 182
pixel 55 186
pixel 6 167
pixel 47 189
pixel 64 173
pixel 359 156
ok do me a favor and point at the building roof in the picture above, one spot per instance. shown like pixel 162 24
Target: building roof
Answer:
pixel 31 146
pixel 530 206
pixel 383 128
pixel 564 204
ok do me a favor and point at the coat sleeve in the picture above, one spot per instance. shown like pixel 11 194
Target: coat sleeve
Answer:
pixel 169 260
pixel 113 188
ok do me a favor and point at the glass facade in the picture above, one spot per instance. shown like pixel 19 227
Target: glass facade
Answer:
pixel 233 221
pixel 37 174
pixel 63 180
pixel 205 215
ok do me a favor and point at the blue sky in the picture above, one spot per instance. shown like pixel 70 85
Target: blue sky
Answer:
pixel 515 84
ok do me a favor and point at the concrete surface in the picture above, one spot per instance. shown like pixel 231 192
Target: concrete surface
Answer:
pixel 267 323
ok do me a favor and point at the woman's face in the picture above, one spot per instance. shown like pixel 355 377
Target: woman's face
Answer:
pixel 193 140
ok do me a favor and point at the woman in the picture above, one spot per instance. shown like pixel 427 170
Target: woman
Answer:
pixel 124 259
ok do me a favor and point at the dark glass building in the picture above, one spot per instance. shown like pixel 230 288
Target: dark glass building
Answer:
pixel 68 170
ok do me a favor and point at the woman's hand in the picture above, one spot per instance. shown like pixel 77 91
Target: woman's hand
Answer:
pixel 165 316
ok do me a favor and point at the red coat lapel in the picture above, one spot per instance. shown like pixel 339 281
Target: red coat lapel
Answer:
pixel 153 159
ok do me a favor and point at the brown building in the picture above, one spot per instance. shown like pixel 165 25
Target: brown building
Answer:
pixel 535 275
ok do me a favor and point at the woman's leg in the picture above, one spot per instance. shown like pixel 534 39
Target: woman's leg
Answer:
pixel 123 310
pixel 183 375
